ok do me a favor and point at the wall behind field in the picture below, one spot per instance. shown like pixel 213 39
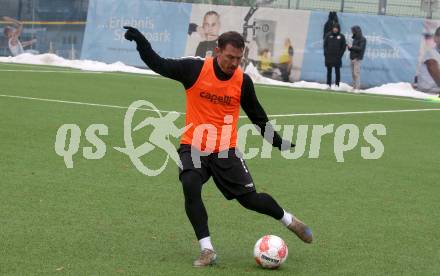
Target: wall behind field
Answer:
pixel 392 52
pixel 395 45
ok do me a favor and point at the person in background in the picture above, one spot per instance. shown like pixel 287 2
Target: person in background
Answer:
pixel 286 60
pixel 265 64
pixel 332 20
pixel 13 34
pixel 357 51
pixel 429 75
pixel 209 31
pixel 334 48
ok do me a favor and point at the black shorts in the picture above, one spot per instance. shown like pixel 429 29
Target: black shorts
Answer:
pixel 230 174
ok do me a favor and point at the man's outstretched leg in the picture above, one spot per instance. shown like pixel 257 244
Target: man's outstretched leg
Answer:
pixel 196 212
pixel 265 204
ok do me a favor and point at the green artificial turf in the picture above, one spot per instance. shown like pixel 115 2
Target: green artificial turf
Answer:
pixel 103 217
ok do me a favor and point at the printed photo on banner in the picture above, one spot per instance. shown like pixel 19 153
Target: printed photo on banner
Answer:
pixel 275 39
pixel 42 27
pixel 428 69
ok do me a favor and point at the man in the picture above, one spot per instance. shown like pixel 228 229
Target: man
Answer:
pixel 429 77
pixel 215 89
pixel 12 34
pixel 334 48
pixel 357 51
pixel 209 31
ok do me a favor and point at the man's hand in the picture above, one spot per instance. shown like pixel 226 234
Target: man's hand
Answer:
pixel 133 34
pixel 192 28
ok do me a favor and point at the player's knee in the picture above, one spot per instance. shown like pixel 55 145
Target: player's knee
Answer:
pixel 192 185
pixel 263 196
pixel 249 200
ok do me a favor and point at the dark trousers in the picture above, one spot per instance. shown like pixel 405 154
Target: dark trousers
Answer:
pixel 329 74
pixel 195 209
pixel 285 71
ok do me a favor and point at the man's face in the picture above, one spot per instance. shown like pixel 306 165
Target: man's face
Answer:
pixel 335 30
pixel 229 58
pixel 9 32
pixel 211 26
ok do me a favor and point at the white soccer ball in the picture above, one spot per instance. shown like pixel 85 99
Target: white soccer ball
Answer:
pixel 270 251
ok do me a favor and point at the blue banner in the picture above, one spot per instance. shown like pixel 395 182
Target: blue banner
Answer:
pixel 164 24
pixel 392 48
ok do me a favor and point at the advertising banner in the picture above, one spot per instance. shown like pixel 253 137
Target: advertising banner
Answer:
pixel 391 55
pixel 164 24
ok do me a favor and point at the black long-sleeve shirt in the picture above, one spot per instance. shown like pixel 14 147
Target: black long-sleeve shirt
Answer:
pixel 186 71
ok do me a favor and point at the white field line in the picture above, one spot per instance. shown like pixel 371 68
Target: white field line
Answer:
pixel 80 71
pixel 83 103
pixel 352 112
pixel 72 70
pixel 50 71
pixel 272 116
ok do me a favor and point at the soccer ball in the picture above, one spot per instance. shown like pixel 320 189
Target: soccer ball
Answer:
pixel 270 251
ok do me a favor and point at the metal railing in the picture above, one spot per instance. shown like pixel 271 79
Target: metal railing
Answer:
pixel 409 8
pixel 78 8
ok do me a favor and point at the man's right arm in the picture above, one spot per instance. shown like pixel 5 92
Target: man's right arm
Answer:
pixel 184 70
pixel 18 25
pixel 325 45
pixel 356 47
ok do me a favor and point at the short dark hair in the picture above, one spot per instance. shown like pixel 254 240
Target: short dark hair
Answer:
pixel 6 30
pixel 211 13
pixel 235 39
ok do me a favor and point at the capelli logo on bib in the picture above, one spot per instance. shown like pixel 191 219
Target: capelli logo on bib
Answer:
pixel 224 100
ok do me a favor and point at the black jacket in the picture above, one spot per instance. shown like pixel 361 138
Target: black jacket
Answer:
pixel 334 48
pixel 357 50
pixel 331 21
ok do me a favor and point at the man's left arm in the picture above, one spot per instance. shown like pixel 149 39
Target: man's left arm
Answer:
pixel 28 43
pixel 355 47
pixel 253 109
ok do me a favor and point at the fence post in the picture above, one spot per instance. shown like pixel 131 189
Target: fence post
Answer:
pixel 342 5
pixel 430 9
pixel 382 7
pixel 288 4
pixel 297 4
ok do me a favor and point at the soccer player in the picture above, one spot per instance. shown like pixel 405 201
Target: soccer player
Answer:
pixel 215 90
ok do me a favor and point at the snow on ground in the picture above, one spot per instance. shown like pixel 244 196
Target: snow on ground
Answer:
pixel 87 65
pixel 391 89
